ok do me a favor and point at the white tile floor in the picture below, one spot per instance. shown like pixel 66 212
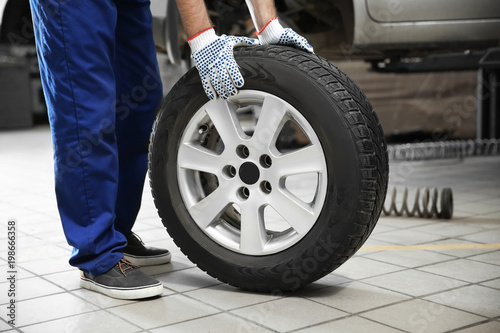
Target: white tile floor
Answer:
pixel 440 287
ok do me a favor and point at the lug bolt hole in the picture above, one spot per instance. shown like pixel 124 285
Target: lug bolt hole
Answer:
pixel 266 187
pixel 266 161
pixel 243 193
pixel 229 171
pixel 242 151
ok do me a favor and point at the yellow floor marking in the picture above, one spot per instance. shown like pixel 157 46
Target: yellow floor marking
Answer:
pixel 430 247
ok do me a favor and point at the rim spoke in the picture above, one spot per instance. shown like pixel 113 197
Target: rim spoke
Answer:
pixel 253 233
pixel 210 208
pixel 225 121
pixel 304 160
pixel 196 157
pixel 270 121
pixel 295 212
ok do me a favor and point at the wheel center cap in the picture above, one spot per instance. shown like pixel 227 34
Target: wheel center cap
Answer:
pixel 249 173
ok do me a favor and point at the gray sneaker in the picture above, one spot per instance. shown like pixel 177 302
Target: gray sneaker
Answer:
pixel 139 254
pixel 125 281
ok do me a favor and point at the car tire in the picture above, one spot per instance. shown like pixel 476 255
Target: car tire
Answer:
pixel 278 186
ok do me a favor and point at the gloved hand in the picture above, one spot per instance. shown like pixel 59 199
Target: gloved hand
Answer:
pixel 215 62
pixel 274 33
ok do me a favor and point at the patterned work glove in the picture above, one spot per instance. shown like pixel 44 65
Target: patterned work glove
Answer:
pixel 215 62
pixel 274 33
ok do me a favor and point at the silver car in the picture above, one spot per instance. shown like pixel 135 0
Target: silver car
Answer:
pixel 367 29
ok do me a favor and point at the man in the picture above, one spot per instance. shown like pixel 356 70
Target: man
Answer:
pixel 102 86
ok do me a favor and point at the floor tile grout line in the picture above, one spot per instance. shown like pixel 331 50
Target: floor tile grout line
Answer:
pixel 402 227
pixel 393 327
pixel 38 297
pixel 79 314
pixel 405 267
pixel 233 309
pixel 378 275
pixel 48 243
pixel 12 328
pixel 483 262
pixel 440 275
pixel 475 201
pixel 321 323
pixel 452 307
pixel 440 235
pixel 483 251
pixel 183 321
pixel 367 310
pixel 64 290
pixel 475 233
pixel 413 296
pixel 481 202
pixel 46 321
pixel 490 280
pixel 29 209
pixel 344 318
pixel 52 272
pixel 124 319
pixel 250 320
pixel 44 258
pixel 421 299
pixel 178 270
pixel 422 243
pixel 469 326
pixel 105 309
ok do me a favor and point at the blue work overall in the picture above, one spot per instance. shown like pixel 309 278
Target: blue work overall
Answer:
pixel 102 87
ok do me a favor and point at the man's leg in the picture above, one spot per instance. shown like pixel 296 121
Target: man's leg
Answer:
pixel 139 92
pixel 76 46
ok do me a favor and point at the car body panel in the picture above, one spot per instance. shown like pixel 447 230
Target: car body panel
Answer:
pixel 431 10
pixel 380 24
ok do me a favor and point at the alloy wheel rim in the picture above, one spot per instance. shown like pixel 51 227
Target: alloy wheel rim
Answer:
pixel 241 185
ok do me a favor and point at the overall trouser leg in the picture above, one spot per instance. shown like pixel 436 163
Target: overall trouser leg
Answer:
pixel 139 91
pixel 76 44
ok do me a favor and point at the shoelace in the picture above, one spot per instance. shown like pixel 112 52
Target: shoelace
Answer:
pixel 124 265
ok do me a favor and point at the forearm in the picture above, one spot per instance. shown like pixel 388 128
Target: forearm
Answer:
pixel 194 16
pixel 269 29
pixel 264 11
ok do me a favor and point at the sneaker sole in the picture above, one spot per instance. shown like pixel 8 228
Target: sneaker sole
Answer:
pixel 123 293
pixel 160 259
